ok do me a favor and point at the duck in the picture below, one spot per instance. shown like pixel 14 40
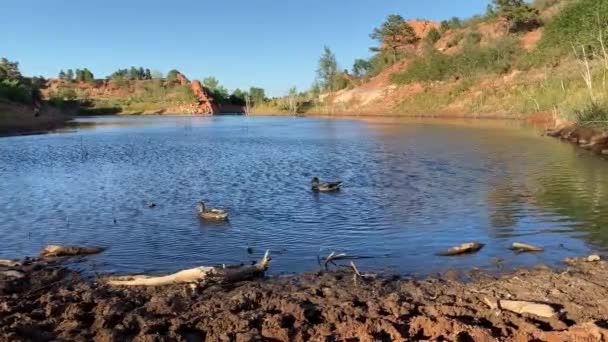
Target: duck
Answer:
pixel 316 185
pixel 211 213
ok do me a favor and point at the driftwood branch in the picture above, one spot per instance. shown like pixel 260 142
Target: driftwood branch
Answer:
pixel 58 251
pixel 332 257
pixel 465 248
pixel 524 247
pixel 196 275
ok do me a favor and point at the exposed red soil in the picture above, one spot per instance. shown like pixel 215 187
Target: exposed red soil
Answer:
pixel 51 303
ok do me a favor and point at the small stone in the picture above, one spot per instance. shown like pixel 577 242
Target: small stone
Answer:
pixel 593 258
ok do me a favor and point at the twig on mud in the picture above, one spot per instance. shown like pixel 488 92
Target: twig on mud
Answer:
pixel 342 256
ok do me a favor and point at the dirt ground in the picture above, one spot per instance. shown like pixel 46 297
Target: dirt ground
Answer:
pixel 53 303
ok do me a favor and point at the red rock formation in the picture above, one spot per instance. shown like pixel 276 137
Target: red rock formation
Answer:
pixel 206 102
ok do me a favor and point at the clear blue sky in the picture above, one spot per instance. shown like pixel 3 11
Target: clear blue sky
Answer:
pixel 274 44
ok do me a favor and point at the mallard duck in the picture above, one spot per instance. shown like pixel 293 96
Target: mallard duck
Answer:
pixel 211 213
pixel 316 185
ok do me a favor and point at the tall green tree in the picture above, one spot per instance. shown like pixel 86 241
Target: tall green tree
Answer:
pixel 148 74
pixel 87 75
pixel 134 73
pixel 258 95
pixel 394 33
pixel 62 75
pixel 9 70
pixel 69 75
pixel 328 69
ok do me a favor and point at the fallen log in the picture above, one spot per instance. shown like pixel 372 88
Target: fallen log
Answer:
pixel 58 251
pixel 523 307
pixel 523 247
pixel 465 248
pixel 196 275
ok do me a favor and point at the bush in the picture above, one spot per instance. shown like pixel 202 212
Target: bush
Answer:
pixel 13 90
pixel 472 38
pixel 433 36
pixel 451 24
pixel 456 40
pixel 578 23
pixel 595 114
pixel 472 60
pixel 340 82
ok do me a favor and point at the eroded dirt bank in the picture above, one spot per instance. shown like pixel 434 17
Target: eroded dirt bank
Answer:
pixel 52 303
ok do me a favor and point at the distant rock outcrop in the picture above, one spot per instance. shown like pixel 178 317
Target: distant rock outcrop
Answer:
pixel 206 102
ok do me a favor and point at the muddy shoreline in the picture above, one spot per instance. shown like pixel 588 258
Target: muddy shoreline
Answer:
pixel 51 302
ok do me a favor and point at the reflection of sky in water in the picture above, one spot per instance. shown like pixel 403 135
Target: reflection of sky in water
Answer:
pixel 412 187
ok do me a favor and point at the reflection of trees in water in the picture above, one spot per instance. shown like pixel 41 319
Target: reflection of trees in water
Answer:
pixel 579 191
pixel 507 202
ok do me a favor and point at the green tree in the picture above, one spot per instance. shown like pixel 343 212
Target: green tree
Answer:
pixel 172 75
pixel 237 97
pixel 361 67
pixel 519 15
pixel 394 33
pixel 9 70
pixel 148 74
pixel 69 75
pixel 79 77
pixel 87 75
pixel 258 95
pixel 62 75
pixel 433 36
pixel 211 82
pixel 328 69
pixel 133 73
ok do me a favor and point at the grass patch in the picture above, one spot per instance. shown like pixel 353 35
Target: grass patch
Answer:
pixel 594 114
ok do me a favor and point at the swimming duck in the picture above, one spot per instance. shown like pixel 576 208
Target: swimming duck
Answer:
pixel 211 213
pixel 316 185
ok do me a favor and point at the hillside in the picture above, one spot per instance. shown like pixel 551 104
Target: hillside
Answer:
pixel 480 67
pixel 139 97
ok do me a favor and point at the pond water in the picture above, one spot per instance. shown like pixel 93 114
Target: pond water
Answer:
pixel 411 188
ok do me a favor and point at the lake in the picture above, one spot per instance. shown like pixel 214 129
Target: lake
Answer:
pixel 411 188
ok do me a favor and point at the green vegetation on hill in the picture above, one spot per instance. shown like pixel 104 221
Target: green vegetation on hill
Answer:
pixel 14 87
pixel 493 63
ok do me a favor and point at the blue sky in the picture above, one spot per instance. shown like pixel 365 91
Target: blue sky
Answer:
pixel 269 43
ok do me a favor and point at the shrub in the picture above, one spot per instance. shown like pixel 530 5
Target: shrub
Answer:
pixel 472 38
pixel 595 114
pixel 456 40
pixel 578 23
pixel 13 90
pixel 472 60
pixel 433 36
